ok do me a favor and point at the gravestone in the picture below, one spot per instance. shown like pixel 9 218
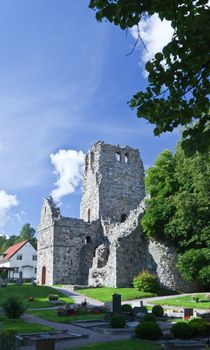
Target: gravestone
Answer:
pixel 20 280
pixel 188 312
pixel 116 303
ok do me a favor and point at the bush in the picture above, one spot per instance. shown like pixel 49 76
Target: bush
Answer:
pixel 204 276
pixel 182 330
pixel 126 308
pixel 13 307
pixel 148 330
pixel 149 318
pixel 194 265
pixel 146 282
pixel 118 321
pixel 157 310
pixel 199 326
pixel 53 297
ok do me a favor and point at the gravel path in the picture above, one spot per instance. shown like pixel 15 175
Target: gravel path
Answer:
pixel 72 343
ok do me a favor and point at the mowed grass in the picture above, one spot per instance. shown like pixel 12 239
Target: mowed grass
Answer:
pixel 185 301
pixel 104 294
pixel 51 315
pixel 131 344
pixel 20 326
pixel 39 293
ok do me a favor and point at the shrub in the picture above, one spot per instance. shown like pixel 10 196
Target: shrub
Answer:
pixel 53 297
pixel 126 308
pixel 13 307
pixel 204 276
pixel 182 330
pixel 199 326
pixel 148 330
pixel 146 282
pixel 149 318
pixel 194 265
pixel 157 310
pixel 118 321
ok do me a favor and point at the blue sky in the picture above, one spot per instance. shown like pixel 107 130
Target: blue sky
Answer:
pixel 65 82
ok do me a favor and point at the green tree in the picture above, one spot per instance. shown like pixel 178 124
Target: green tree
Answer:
pixel 177 93
pixel 178 208
pixel 7 242
pixel 27 232
pixel 194 264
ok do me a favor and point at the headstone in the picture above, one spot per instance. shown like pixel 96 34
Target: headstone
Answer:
pixel 141 303
pixel 20 281
pixel 188 312
pixel 43 344
pixel 116 303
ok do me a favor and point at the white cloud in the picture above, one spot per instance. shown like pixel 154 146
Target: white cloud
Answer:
pixel 155 34
pixel 69 170
pixel 6 202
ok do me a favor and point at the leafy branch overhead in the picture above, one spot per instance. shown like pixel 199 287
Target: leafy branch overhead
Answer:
pixel 177 93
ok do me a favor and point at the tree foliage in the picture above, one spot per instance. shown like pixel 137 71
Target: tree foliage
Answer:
pixel 178 208
pixel 177 93
pixel 194 264
pixel 27 232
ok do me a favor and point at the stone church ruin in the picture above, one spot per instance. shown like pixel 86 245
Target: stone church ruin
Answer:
pixel 106 246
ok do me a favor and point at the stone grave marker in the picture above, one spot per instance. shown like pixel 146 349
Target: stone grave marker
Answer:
pixel 116 303
pixel 188 312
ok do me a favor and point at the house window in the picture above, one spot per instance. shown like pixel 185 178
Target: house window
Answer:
pixel 19 257
pixel 118 156
pixel 35 270
pixel 34 257
pixel 126 158
pixel 16 269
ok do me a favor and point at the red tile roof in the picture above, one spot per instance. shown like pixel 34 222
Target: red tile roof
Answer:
pixel 13 249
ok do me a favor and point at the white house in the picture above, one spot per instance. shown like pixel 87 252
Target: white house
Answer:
pixel 22 257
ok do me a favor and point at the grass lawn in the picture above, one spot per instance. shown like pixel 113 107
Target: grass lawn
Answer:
pixel 105 293
pixel 40 293
pixel 133 344
pixel 51 315
pixel 19 326
pixel 185 301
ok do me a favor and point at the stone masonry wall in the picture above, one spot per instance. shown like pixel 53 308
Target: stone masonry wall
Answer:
pixel 106 246
pixel 74 245
pixel 113 182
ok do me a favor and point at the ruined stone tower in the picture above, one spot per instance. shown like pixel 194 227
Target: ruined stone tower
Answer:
pixel 113 183
pixel 105 247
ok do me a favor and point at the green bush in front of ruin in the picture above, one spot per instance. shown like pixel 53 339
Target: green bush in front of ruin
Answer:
pixel 146 282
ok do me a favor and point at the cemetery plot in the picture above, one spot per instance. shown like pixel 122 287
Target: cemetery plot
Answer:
pixel 199 301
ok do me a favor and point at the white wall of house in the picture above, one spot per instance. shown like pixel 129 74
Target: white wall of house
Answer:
pixel 24 260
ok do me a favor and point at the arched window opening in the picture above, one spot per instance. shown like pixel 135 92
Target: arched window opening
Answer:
pixel 87 240
pixel 88 215
pixel 126 158
pixel 118 156
pixel 123 218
